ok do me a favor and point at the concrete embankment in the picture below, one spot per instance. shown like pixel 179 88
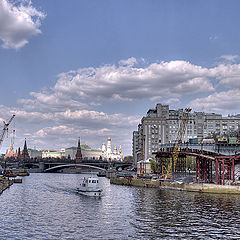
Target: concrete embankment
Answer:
pixel 4 184
pixel 192 187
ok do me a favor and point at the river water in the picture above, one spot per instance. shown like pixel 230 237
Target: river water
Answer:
pixel 45 206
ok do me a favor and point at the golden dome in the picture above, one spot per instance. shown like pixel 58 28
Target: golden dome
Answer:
pixel 109 139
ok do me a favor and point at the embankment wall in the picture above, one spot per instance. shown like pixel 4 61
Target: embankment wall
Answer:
pixel 192 187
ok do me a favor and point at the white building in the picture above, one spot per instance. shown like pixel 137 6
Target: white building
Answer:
pixel 108 154
pixel 53 154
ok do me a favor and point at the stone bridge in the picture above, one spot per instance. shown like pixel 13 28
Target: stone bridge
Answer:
pixel 51 166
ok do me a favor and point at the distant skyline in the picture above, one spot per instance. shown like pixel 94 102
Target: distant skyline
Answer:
pixel 93 68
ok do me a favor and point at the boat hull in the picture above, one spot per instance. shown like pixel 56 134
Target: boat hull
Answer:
pixel 90 193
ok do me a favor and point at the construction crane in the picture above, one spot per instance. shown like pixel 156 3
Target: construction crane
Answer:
pixel 5 129
pixel 172 165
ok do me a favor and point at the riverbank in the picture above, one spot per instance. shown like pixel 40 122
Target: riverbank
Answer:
pixel 4 184
pixel 191 187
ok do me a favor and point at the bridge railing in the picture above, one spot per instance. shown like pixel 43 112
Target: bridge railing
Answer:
pixel 221 149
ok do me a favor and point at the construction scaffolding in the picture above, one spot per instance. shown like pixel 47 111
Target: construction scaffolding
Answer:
pixel 163 160
pixel 172 165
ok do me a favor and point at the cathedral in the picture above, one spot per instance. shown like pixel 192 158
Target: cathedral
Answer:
pixel 108 154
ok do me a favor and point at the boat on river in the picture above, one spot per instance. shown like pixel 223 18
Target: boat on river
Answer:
pixel 89 187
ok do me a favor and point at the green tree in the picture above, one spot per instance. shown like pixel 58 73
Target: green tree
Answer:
pixel 153 165
pixel 128 158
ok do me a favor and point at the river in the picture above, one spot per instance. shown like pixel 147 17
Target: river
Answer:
pixel 45 206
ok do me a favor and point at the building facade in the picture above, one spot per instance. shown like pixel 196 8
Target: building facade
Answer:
pixel 161 125
pixel 34 153
pixel 53 154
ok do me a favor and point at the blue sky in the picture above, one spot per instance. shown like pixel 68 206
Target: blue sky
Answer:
pixel 93 68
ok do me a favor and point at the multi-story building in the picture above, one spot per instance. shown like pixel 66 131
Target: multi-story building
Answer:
pixel 161 125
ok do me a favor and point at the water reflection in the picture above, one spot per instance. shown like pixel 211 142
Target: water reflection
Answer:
pixel 182 215
pixel 46 206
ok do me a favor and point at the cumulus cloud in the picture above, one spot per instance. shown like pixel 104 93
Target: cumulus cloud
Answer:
pixel 50 131
pixel 96 119
pixel 52 101
pixel 18 22
pixel 65 131
pixel 221 102
pixel 128 83
pixel 128 62
pixel 227 75
pixel 230 58
pixel 121 83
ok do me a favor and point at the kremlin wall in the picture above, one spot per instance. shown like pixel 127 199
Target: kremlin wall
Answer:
pixel 105 153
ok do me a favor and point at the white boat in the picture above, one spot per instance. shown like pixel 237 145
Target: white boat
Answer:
pixel 89 187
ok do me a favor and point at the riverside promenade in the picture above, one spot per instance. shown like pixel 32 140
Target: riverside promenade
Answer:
pixel 4 184
pixel 190 187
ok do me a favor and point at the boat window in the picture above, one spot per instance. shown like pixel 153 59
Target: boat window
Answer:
pixel 97 181
pixel 89 181
pixel 93 181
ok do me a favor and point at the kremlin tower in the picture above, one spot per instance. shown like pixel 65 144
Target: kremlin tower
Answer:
pixel 24 155
pixel 11 153
pixel 79 153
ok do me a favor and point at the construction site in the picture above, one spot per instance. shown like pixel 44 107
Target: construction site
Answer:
pixel 205 167
pixel 211 166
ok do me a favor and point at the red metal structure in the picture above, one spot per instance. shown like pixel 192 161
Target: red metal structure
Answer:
pixel 209 169
pixel 225 166
pixel 204 166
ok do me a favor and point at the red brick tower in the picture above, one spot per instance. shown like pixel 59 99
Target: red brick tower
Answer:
pixel 19 154
pixel 78 153
pixel 25 156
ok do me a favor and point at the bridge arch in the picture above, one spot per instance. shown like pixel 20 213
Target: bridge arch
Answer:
pixel 52 169
pixel 123 166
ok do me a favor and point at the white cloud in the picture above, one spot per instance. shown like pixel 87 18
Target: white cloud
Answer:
pixel 51 102
pixel 129 62
pixel 18 22
pixel 213 38
pixel 128 83
pixel 95 119
pixel 221 102
pixel 65 131
pixel 230 58
pixel 55 131
pixel 227 75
